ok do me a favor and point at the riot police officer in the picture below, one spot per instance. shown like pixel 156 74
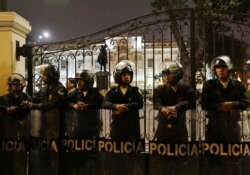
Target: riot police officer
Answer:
pixel 86 101
pixel 14 125
pixel 125 101
pixel 85 122
pixel 223 98
pixel 50 103
pixel 172 99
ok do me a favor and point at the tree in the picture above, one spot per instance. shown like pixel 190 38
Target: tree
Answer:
pixel 204 41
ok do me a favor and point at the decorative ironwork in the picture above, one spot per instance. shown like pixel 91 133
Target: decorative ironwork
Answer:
pixel 149 40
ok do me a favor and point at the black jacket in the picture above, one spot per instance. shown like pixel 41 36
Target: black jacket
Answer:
pixel 14 125
pixel 124 126
pixel 87 123
pixel 173 129
pixel 223 126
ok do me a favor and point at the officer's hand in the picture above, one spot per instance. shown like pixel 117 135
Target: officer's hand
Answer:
pixel 165 111
pixel 83 106
pixel 26 104
pixel 80 106
pixel 122 108
pixel 226 106
pixel 77 106
pixel 169 111
pixel 11 109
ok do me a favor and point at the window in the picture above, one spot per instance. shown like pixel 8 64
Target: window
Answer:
pixel 150 63
pixel 63 64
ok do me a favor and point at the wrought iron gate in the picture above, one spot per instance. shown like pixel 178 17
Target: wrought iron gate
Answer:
pixel 190 36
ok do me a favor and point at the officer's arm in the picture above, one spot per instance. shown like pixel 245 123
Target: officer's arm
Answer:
pixel 207 103
pixel 243 102
pixel 57 100
pixel 158 105
pixel 108 101
pixel 97 103
pixel 137 102
pixel 188 101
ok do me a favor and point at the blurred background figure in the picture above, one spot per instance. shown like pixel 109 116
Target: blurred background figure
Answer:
pixel 71 85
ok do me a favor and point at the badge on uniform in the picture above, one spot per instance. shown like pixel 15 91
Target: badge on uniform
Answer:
pixel 60 92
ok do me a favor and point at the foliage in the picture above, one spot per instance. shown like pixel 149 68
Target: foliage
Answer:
pixel 216 43
pixel 231 5
pixel 161 5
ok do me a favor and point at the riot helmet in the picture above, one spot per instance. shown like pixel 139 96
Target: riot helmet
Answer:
pixel 87 76
pixel 16 79
pixel 223 60
pixel 174 68
pixel 52 73
pixel 123 67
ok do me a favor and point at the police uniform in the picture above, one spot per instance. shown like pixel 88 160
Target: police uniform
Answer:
pixel 124 126
pixel 177 98
pixel 86 123
pixel 14 127
pixel 173 129
pixel 223 126
pixel 51 103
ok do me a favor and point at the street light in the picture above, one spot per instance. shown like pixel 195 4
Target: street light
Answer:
pixel 44 36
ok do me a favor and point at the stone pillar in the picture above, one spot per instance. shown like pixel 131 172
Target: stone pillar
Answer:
pixel 102 81
pixel 13 31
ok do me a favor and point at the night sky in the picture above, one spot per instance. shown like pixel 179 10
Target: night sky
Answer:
pixel 67 19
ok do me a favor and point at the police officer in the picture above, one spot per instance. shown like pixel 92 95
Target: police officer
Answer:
pixel 86 101
pixel 223 98
pixel 86 123
pixel 14 125
pixel 125 101
pixel 50 103
pixel 172 99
